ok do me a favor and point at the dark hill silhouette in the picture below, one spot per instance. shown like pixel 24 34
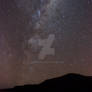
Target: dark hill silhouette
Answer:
pixel 67 83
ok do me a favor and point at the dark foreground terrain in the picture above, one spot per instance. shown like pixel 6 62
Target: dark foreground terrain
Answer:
pixel 67 83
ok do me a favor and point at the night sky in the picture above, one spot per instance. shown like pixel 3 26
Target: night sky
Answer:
pixel 25 23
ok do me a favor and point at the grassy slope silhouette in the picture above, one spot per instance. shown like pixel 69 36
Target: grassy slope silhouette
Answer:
pixel 70 82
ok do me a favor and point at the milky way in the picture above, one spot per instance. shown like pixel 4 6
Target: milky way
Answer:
pixel 26 25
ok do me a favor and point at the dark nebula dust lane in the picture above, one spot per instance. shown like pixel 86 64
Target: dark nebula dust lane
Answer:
pixel 70 21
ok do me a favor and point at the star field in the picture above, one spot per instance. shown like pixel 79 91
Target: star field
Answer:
pixel 69 21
